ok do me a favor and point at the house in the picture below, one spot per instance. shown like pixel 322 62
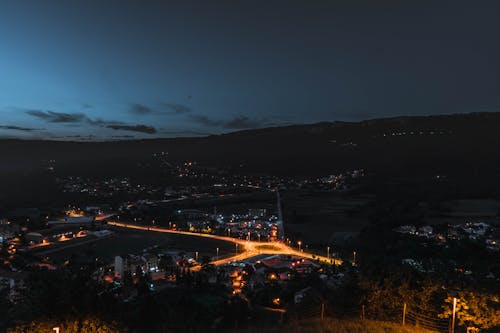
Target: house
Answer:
pixel 13 282
pixel 301 294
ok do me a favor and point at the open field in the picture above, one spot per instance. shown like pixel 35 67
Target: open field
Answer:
pixel 318 218
pixel 135 241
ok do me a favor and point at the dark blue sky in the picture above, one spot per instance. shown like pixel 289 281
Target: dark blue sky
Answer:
pixel 171 68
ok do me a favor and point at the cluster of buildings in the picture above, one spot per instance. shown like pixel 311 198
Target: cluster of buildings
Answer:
pixel 162 268
pixel 104 188
pixel 476 231
pixel 257 224
pixel 8 230
pixel 416 132
pixel 340 182
pixel 484 234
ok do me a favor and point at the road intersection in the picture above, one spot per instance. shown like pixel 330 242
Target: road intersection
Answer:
pixel 244 249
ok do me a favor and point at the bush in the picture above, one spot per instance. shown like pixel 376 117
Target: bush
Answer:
pixel 86 325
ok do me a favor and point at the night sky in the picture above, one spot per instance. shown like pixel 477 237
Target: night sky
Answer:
pixel 123 69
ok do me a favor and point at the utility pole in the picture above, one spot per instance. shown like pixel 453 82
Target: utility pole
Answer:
pixel 363 312
pixel 322 311
pixel 453 315
pixel 404 314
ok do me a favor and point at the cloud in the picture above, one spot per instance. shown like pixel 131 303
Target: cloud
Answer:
pixel 79 118
pixel 18 128
pixel 133 128
pixel 102 122
pixel 205 121
pixel 167 109
pixel 140 109
pixel 177 108
pixel 72 137
pixel 57 117
pixel 122 136
pixel 239 122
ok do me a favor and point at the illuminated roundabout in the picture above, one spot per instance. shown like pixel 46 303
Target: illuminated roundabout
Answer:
pixel 245 248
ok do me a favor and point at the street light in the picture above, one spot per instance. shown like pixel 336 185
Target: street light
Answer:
pixel 300 243
pixel 249 236
pixel 354 258
pixel 217 254
pixel 196 256
pixel 328 252
pixel 56 329
pixel 236 249
pixel 453 315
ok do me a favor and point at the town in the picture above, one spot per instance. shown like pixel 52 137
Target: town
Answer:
pixel 226 237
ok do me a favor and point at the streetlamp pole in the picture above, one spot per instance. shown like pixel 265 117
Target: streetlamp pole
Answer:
pixel 217 254
pixel 453 315
pixel 300 243
pixel 328 252
pixel 236 249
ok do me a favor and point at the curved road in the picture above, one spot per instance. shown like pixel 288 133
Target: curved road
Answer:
pixel 248 248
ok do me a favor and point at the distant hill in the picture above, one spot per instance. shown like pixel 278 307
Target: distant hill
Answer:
pixel 461 144
pixel 431 143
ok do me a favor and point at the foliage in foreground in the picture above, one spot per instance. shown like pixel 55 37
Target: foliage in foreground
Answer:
pixel 474 309
pixel 340 326
pixel 87 325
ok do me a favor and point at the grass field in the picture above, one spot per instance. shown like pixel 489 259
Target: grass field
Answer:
pixel 339 326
